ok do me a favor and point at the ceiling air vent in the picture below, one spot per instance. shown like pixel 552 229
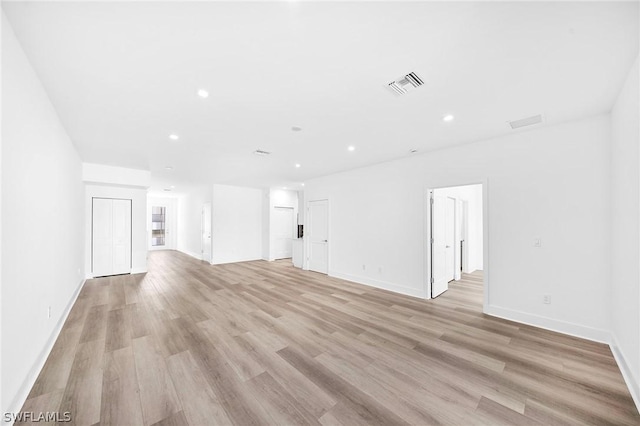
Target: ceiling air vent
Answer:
pixel 261 152
pixel 523 122
pixel 409 81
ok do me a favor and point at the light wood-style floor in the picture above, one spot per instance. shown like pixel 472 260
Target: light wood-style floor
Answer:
pixel 265 343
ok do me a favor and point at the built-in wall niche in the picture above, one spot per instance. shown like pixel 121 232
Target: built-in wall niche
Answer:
pixel 158 226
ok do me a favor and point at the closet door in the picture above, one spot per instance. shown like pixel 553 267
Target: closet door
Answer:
pixel 102 235
pixel 111 235
pixel 121 236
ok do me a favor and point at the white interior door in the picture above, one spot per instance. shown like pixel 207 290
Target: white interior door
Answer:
pixel 111 236
pixel 439 281
pixel 318 236
pixel 121 236
pixel 450 237
pixel 282 232
pixel 102 237
pixel 206 232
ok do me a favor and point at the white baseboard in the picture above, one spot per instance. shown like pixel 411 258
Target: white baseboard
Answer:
pixel 20 398
pixel 627 374
pixel 139 271
pixel 576 330
pixel 192 254
pixel 384 285
pixel 251 259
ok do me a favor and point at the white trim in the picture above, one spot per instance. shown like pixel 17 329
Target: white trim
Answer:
pixel 576 330
pixel 138 271
pixel 22 394
pixel 384 285
pixel 623 365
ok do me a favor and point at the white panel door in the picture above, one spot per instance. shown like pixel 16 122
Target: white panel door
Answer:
pixel 450 239
pixel 121 237
pixel 206 232
pixel 318 236
pixel 111 236
pixel 439 281
pixel 282 232
pixel 102 237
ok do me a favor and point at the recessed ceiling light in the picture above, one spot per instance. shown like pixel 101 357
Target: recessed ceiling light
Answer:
pixel 173 186
pixel 296 128
pixel 448 118
pixel 168 167
pixel 203 93
pixel 297 166
pixel 302 184
pixel 261 152
pixel 174 137
pixel 351 148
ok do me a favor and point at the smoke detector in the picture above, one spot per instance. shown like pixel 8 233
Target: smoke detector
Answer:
pixel 523 122
pixel 401 85
pixel 261 152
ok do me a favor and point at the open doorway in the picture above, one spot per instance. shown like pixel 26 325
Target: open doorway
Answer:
pixel 455 239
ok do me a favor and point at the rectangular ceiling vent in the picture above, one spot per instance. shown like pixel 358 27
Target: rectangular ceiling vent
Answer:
pixel 409 81
pixel 523 122
pixel 261 152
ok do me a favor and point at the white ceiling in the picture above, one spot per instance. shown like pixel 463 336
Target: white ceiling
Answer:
pixel 123 76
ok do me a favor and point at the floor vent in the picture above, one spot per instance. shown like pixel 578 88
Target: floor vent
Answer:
pixel 523 122
pixel 401 85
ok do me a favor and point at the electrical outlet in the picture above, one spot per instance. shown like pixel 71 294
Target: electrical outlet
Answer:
pixel 380 269
pixel 364 267
pixel 546 299
pixel 537 242
pixel 49 312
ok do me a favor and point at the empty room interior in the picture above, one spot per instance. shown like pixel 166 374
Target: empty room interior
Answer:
pixel 315 212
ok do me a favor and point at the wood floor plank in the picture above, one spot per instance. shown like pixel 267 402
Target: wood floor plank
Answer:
pixel 157 393
pixel 83 393
pixel 256 343
pixel 199 404
pixel 120 392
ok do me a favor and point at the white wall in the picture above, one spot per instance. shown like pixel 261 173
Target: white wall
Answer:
pixel 138 197
pixel 171 221
pixel 190 220
pixel 547 183
pixel 280 198
pixel 300 208
pixel 236 224
pixel 42 213
pixel 625 231
pixel 112 175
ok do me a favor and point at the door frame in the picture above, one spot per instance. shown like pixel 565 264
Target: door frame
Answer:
pixel 305 258
pixel 448 183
